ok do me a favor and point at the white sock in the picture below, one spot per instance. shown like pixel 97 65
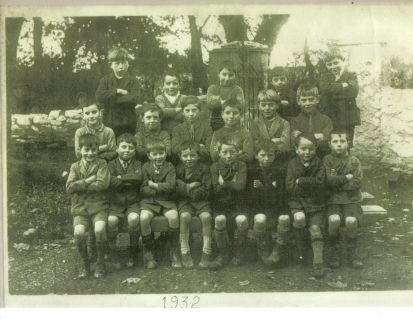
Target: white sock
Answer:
pixel 206 248
pixel 184 238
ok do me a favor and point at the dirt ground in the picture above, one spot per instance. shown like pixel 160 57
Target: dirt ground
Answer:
pixel 48 265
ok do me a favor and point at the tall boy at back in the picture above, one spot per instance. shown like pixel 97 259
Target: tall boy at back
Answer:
pixel 125 181
pixel 270 125
pixel 119 93
pixel 305 183
pixel 229 177
pixel 232 130
pixel 193 186
pixel 158 190
pixel 92 118
pixel 344 176
pixel 87 183
pixel 193 129
pixel 170 101
pixel 217 95
pixel 310 121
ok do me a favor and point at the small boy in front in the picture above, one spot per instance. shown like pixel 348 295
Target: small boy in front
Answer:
pixel 279 83
pixel 270 125
pixel 310 120
pixel 151 116
pixel 344 176
pixel 119 93
pixel 267 199
pixel 170 101
pixel 305 183
pixel 229 177
pixel 125 182
pixel 193 128
pixel 92 118
pixel 193 186
pixel 87 184
pixel 232 130
pixel 226 90
pixel 157 191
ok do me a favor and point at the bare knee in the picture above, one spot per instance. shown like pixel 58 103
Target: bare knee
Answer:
pixel 351 222
pixel 284 222
pixel 173 219
pixel 185 218
pixel 205 218
pixel 100 230
pixel 315 232
pixel 113 222
pixel 146 217
pixel 299 220
pixel 242 222
pixel 79 232
pixel 220 222
pixel 334 222
pixel 260 221
pixel 133 220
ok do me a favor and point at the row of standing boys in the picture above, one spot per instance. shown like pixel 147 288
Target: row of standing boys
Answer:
pixel 289 176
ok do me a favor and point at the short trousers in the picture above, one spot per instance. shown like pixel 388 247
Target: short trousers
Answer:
pixel 189 208
pixel 345 210
pixel 158 208
pixel 86 220
pixel 233 209
pixel 134 208
pixel 316 218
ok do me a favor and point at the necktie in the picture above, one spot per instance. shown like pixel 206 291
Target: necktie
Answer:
pixel 192 132
pixel 310 124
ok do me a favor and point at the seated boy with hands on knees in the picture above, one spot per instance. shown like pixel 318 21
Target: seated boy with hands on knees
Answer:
pixel 87 185
pixel 305 183
pixel 344 176
pixel 158 190
pixel 229 177
pixel 267 199
pixel 125 181
pixel 193 186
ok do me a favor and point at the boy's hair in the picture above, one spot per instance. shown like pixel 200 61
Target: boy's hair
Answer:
pixel 97 105
pixel 89 140
pixel 233 102
pixel 338 132
pixel 227 64
pixel 81 95
pixel 332 53
pixel 307 89
pixel 269 95
pixel 149 106
pixel 306 136
pixel 118 54
pixel 190 99
pixel 191 145
pixel 264 145
pixel 278 71
pixel 155 145
pixel 127 138
pixel 170 72
pixel 226 140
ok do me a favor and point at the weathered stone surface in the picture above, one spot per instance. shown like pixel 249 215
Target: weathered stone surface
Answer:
pixel 372 214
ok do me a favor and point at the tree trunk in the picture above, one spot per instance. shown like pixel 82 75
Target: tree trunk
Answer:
pixel 199 76
pixel 235 27
pixel 269 29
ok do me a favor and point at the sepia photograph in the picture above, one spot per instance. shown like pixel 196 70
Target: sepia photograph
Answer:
pixel 194 152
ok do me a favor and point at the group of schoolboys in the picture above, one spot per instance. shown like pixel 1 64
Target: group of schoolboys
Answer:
pixel 178 165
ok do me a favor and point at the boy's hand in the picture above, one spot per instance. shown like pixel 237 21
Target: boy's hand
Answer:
pixel 202 146
pixel 121 91
pixel 194 185
pixel 90 179
pixel 220 180
pixel 319 136
pixel 344 84
pixel 349 176
pixel 178 109
pixel 257 183
pixel 119 177
pixel 152 185
pixel 276 140
pixel 223 101
pixel 284 102
pixel 274 184
pixel 296 181
pixel 296 133
pixel 103 147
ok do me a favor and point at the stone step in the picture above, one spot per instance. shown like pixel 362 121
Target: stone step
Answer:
pixel 366 196
pixel 372 214
pixel 159 224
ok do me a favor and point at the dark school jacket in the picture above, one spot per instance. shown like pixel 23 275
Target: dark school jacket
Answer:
pixel 279 128
pixel 310 192
pixel 124 191
pixel 166 180
pixel 89 199
pixel 170 118
pixel 197 197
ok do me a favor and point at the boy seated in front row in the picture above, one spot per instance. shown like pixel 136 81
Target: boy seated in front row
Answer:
pixel 229 177
pixel 170 101
pixel 193 185
pixel 92 118
pixel 158 190
pixel 151 116
pixel 305 183
pixel 270 125
pixel 232 130
pixel 344 175
pixel 87 183
pixel 125 181
pixel 310 120
pixel 267 198
pixel 193 128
